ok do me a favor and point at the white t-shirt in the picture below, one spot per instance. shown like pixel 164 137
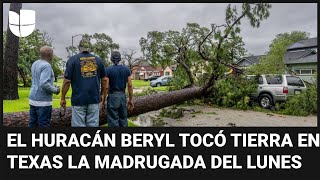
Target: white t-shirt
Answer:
pixel 40 103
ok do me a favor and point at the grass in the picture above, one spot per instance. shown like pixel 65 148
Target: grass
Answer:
pixel 161 88
pixel 22 104
pixel 140 83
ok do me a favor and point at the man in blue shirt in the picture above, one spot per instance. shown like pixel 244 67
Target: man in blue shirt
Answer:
pixel 117 78
pixel 84 72
pixel 40 98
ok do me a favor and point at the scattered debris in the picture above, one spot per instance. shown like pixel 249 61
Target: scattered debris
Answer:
pixel 270 114
pixel 174 112
pixel 231 124
pixel 211 112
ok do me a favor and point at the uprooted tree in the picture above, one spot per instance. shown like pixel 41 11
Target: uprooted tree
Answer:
pixel 195 47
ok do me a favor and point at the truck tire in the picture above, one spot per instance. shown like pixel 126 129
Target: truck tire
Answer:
pixel 265 101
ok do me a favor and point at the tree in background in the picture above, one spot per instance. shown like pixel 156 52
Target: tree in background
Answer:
pixel 102 46
pixel 183 48
pixel 56 63
pixel 274 61
pixel 10 64
pixel 29 52
pixel 129 60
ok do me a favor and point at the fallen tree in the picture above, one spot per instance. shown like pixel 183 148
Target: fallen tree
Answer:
pixel 214 49
pixel 142 104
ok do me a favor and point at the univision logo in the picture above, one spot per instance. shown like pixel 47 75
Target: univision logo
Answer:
pixel 24 24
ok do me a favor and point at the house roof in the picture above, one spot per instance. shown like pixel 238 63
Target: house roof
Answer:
pixel 142 62
pixel 148 68
pixel 312 58
pixel 296 54
pixel 306 43
pixel 251 59
pixel 174 67
pixel 306 56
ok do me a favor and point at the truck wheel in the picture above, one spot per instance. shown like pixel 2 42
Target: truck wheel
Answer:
pixel 158 84
pixel 265 101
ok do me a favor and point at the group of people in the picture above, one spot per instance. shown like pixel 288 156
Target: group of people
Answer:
pixel 92 86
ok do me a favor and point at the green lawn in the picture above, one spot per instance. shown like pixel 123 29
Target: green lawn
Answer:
pixel 140 83
pixel 22 104
pixel 161 88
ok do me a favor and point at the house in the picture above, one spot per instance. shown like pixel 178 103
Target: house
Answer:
pixel 301 58
pixel 245 62
pixel 144 70
pixel 168 71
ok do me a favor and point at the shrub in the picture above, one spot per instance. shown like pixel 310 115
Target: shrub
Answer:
pixel 233 92
pixel 303 104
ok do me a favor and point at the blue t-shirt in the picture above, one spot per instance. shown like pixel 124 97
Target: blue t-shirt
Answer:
pixel 85 71
pixel 118 77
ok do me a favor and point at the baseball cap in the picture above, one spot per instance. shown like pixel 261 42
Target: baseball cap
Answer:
pixel 115 55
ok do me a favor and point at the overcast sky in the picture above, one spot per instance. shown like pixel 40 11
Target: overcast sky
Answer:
pixel 127 23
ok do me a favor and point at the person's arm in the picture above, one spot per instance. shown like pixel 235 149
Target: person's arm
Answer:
pixel 65 88
pixel 45 80
pixel 66 83
pixel 130 90
pixel 103 93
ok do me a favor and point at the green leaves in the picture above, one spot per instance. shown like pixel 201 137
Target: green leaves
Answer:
pixel 102 45
pixel 199 51
pixel 303 104
pixel 233 92
pixel 273 62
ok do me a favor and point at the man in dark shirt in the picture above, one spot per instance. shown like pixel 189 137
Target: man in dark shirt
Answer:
pixel 84 72
pixel 117 78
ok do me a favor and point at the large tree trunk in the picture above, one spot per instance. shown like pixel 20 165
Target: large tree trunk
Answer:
pixel 142 104
pixel 10 79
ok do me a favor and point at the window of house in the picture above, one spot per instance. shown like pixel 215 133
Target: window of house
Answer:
pixel 274 79
pixel 297 71
pixel 305 71
pixel 167 73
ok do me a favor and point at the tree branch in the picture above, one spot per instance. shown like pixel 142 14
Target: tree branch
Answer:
pixel 213 77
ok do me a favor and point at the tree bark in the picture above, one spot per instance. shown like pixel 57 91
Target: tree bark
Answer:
pixel 142 105
pixel 23 76
pixel 10 79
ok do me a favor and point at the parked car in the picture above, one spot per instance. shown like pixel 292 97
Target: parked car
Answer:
pixel 151 78
pixel 276 88
pixel 161 81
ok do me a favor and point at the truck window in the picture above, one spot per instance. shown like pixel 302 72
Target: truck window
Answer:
pixel 294 81
pixel 260 80
pixel 274 79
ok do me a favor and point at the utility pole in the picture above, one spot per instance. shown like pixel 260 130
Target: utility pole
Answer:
pixel 72 40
